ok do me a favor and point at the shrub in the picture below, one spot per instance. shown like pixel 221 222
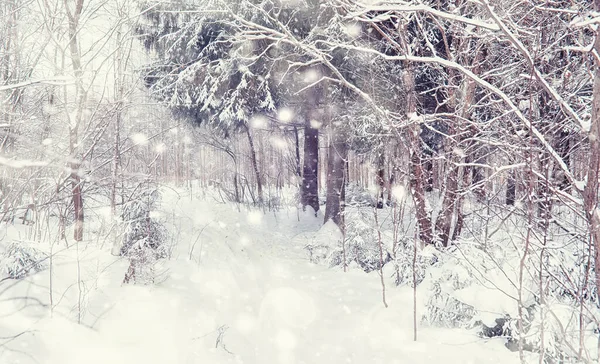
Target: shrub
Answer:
pixel 144 241
pixel 20 260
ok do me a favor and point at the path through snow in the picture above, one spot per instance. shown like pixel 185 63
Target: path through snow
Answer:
pixel 249 295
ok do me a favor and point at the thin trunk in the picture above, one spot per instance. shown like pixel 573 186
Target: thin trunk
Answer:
pixel 477 181
pixel 380 178
pixel 460 217
pixel 393 174
pixel 118 115
pixel 297 149
pixel 380 244
pixel 259 186
pixel 444 220
pixel 74 125
pixel 590 193
pixel 511 188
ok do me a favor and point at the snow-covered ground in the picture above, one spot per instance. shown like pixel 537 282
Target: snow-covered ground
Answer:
pixel 239 288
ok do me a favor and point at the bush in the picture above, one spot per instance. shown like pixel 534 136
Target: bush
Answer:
pixel 20 260
pixel 357 195
pixel 403 263
pixel 471 286
pixel 144 241
pixel 362 242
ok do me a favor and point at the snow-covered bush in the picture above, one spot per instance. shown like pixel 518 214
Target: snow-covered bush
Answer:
pixel 324 243
pixel 144 241
pixel 403 261
pixel 20 260
pixel 357 195
pixel 362 242
pixel 443 307
pixel 471 286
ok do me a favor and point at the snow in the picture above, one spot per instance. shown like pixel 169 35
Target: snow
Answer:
pixel 253 297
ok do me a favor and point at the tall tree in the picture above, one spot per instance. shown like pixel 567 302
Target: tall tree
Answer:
pixel 74 17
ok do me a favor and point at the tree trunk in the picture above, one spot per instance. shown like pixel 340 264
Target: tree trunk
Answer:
pixel 310 185
pixel 393 174
pixel 297 150
pixel 417 190
pixel 511 188
pixel 477 180
pixel 444 220
pixel 338 153
pixel 119 93
pixel 417 175
pixel 460 217
pixel 380 177
pixel 74 125
pixel 590 193
pixel 259 186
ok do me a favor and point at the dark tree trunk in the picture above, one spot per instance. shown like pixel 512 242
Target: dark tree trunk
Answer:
pixel 460 216
pixel 380 178
pixel 393 174
pixel 347 175
pixel 444 220
pixel 310 186
pixel 335 204
pixel 415 168
pixel 418 192
pixel 297 141
pixel 511 188
pixel 478 184
pixel 235 186
pixel 77 203
pixel 563 147
pixel 259 186
pixel 427 171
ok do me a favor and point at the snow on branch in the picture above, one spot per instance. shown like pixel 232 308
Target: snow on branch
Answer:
pixel 579 23
pixel 482 83
pixel 54 82
pixel 423 9
pixel 23 163
pixel 567 109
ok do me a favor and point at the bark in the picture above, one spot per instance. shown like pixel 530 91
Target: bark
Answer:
pixel 393 174
pixel 309 190
pixel 427 167
pixel 380 178
pixel 511 188
pixel 297 149
pixel 338 153
pixel 477 181
pixel 590 193
pixel 417 175
pixel 461 103
pixel 116 162
pixel 444 221
pixel 254 162
pixel 74 164
pixel 460 217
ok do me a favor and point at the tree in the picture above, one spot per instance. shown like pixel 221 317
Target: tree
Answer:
pixel 590 192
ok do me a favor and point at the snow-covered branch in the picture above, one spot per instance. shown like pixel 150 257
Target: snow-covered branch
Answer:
pixel 52 81
pixel 567 109
pixel 420 8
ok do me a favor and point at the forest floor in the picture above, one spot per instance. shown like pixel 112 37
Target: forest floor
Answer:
pixel 246 293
